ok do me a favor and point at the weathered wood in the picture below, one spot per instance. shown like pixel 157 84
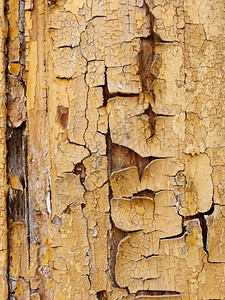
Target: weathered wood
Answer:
pixel 112 149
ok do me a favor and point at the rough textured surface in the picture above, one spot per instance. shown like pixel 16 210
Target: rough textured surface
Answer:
pixel 112 143
pixel 3 152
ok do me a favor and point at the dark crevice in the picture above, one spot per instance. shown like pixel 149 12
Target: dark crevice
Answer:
pixel 63 115
pixel 83 205
pixel 178 235
pixel 21 26
pixel 51 2
pixel 71 47
pixel 107 95
pixel 145 193
pixel 120 157
pixel 15 171
pixel 80 145
pixel 151 119
pixel 102 295
pixel 67 210
pixel 105 90
pixel 114 237
pixel 156 293
pixel 79 169
pixel 203 223
pixel 146 58
pixel 148 256
pixel 150 116
pixel 27 202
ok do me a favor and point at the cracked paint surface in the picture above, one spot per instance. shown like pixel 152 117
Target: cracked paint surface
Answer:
pixel 114 135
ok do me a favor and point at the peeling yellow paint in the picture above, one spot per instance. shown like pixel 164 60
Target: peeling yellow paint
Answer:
pixel 116 181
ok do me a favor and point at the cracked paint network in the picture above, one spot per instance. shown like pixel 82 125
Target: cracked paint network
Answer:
pixel 112 149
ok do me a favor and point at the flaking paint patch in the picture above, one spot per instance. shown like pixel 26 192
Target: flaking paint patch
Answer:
pixel 124 113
